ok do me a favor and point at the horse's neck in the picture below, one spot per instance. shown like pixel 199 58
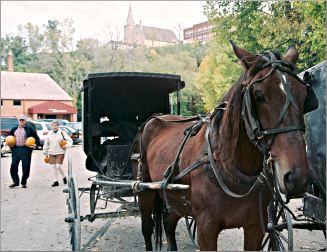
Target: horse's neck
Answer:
pixel 247 158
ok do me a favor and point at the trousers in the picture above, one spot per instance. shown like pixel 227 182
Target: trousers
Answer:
pixel 20 154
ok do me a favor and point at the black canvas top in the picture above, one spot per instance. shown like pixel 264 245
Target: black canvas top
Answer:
pixel 171 82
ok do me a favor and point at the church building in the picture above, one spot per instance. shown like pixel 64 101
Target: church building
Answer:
pixel 141 35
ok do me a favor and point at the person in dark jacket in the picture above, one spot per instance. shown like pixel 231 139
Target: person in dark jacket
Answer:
pixel 21 152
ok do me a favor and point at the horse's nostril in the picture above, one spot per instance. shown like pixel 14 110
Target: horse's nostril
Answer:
pixel 288 181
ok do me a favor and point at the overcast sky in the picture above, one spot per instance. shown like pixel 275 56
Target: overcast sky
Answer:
pixel 95 18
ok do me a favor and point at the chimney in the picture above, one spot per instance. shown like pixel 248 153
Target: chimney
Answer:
pixel 10 66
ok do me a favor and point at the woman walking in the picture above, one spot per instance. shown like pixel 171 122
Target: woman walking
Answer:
pixel 55 145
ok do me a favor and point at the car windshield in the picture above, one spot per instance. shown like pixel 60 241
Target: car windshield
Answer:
pixel 76 125
pixel 70 128
pixel 65 129
pixel 38 126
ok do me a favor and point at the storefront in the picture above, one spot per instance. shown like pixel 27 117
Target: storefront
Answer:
pixel 53 110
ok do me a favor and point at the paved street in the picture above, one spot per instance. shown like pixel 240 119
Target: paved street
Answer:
pixel 32 219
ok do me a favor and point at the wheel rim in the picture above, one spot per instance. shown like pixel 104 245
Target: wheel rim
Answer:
pixel 279 219
pixel 73 210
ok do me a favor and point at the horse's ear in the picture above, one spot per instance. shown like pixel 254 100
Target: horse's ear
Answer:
pixel 291 55
pixel 245 57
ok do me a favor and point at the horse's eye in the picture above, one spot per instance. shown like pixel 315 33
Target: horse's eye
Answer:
pixel 259 97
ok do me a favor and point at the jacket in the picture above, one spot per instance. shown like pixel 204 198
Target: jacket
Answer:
pixel 30 132
pixel 51 144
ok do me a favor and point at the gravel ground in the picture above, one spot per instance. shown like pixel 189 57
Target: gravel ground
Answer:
pixel 32 219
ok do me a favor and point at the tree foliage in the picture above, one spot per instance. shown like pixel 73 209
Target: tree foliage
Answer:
pixel 261 26
pixel 258 26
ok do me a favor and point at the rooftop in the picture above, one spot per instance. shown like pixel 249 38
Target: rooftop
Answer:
pixel 31 86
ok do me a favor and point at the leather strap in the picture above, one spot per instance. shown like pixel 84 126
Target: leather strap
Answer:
pixel 259 182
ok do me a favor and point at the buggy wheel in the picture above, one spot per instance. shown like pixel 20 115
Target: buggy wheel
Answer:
pixel 74 219
pixel 278 219
pixel 191 229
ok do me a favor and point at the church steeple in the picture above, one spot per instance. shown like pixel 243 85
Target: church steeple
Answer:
pixel 130 19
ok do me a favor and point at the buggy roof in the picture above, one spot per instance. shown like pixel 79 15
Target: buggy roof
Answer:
pixel 167 82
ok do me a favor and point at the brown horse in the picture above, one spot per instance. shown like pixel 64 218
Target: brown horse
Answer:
pixel 264 115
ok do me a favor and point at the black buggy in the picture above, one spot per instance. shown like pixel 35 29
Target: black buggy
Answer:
pixel 115 105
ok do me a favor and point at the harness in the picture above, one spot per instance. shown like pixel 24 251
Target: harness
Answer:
pixel 255 133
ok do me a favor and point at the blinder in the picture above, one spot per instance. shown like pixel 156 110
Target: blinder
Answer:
pixel 311 102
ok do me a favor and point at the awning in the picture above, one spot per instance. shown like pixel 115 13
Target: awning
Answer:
pixel 52 107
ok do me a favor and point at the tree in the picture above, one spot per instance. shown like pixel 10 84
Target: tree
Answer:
pixel 19 48
pixel 262 26
pixel 216 74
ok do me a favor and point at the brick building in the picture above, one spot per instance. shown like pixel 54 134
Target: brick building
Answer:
pixel 35 95
pixel 138 34
pixel 199 32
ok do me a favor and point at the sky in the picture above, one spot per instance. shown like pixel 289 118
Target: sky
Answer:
pixel 97 19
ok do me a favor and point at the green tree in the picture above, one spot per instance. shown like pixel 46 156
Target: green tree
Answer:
pixel 19 48
pixel 262 26
pixel 216 74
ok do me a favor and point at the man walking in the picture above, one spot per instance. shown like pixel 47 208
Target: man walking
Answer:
pixel 21 152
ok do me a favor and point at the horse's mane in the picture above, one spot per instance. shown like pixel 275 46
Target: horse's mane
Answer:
pixel 231 123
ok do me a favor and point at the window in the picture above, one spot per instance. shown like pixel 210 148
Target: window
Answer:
pixel 17 102
pixel 1 102
pixel 38 126
pixel 8 123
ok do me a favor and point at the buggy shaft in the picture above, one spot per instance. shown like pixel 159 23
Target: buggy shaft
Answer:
pixel 134 184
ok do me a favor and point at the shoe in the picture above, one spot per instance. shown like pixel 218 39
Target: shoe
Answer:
pixel 65 180
pixel 24 186
pixel 13 185
pixel 56 183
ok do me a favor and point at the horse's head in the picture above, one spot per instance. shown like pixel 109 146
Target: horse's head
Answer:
pixel 274 103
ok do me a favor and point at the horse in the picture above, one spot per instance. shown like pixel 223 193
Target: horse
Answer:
pixel 259 121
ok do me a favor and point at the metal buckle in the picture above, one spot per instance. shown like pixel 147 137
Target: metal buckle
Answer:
pixel 269 163
pixel 259 137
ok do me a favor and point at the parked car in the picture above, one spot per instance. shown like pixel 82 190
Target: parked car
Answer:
pixel 42 129
pixel 2 145
pixel 78 126
pixel 74 135
pixel 7 123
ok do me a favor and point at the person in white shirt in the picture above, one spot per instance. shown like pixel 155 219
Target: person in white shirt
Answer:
pixel 55 145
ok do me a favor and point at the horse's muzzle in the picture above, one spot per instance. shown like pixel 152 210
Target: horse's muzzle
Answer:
pixel 294 183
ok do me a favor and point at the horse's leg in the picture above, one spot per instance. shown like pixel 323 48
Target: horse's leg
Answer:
pixel 146 203
pixel 208 231
pixel 253 237
pixel 170 221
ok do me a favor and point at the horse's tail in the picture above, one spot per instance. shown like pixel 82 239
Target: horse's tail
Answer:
pixel 157 218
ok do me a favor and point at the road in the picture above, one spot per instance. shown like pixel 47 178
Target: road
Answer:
pixel 32 219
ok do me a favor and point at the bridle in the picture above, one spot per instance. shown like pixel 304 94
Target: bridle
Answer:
pixel 256 134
